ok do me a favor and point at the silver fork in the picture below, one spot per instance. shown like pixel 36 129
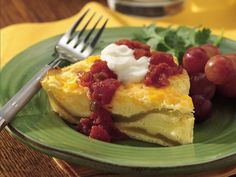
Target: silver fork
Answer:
pixel 68 48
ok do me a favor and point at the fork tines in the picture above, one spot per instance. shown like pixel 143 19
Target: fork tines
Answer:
pixel 77 41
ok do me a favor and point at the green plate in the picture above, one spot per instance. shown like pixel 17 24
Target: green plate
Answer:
pixel 214 146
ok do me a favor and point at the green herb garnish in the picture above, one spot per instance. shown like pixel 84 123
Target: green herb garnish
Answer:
pixel 175 41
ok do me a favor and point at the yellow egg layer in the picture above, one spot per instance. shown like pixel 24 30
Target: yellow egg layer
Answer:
pixel 165 114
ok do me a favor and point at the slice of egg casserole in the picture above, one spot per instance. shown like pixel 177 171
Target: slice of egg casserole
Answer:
pixel 157 115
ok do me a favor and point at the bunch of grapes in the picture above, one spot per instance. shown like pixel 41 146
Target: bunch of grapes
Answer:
pixel 209 71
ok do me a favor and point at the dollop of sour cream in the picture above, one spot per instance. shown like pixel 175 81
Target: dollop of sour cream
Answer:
pixel 120 59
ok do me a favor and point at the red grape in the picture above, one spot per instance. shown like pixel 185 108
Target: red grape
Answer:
pixel 219 69
pixel 194 60
pixel 232 57
pixel 200 85
pixel 228 89
pixel 211 50
pixel 202 108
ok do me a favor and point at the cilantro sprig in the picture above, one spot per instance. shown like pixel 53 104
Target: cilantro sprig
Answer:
pixel 175 41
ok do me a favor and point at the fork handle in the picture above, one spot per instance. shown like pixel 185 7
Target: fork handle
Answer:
pixel 24 95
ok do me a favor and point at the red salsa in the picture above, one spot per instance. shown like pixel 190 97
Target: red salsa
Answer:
pixel 161 67
pixel 139 48
pixel 102 84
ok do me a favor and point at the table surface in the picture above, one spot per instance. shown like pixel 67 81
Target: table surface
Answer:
pixel 16 159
